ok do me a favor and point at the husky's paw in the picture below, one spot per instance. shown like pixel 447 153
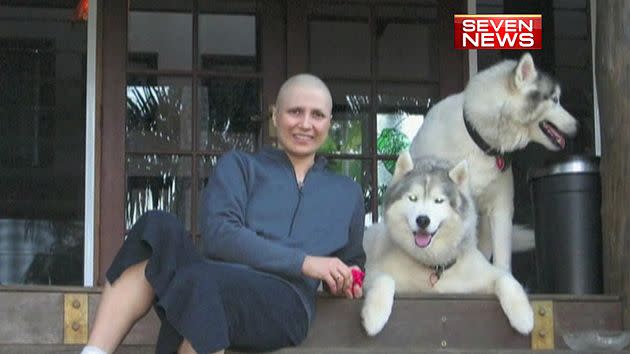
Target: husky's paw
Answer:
pixel 515 304
pixel 374 318
pixel 521 317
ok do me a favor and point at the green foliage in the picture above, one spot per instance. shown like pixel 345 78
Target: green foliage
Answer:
pixel 391 142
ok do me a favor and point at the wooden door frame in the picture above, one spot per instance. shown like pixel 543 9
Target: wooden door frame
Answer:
pixel 111 208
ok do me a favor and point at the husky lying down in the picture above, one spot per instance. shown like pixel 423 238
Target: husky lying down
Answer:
pixel 427 244
pixel 502 109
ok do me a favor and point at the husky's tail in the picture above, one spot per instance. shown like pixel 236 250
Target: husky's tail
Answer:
pixel 523 238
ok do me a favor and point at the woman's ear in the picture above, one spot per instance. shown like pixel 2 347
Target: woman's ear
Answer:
pixel 273 111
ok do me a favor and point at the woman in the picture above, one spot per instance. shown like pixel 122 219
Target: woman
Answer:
pixel 274 224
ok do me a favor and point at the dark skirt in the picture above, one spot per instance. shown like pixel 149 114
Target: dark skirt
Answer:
pixel 215 305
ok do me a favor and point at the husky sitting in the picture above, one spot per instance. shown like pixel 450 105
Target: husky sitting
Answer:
pixel 427 244
pixel 501 110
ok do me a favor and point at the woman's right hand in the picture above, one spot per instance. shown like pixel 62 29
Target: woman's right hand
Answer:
pixel 331 270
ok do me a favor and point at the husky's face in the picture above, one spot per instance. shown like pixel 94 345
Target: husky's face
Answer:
pixel 535 105
pixel 428 210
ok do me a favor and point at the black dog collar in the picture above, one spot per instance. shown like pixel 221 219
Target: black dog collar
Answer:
pixel 503 160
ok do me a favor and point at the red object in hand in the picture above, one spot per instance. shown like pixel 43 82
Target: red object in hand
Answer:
pixel 357 278
pixel 81 11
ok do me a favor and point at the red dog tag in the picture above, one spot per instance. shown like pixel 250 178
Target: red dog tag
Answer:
pixel 500 162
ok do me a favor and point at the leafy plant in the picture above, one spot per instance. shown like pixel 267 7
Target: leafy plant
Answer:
pixel 391 141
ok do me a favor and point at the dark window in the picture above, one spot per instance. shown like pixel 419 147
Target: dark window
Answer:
pixel 42 144
pixel 193 92
pixel 382 66
pixel 565 54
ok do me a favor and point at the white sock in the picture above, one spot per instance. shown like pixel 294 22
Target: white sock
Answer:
pixel 92 350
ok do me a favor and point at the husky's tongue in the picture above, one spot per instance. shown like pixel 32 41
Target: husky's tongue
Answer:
pixel 553 133
pixel 423 239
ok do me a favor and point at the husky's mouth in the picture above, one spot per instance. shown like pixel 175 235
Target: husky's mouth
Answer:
pixel 553 133
pixel 423 238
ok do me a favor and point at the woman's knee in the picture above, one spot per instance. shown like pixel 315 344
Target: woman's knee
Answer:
pixel 156 225
pixel 159 217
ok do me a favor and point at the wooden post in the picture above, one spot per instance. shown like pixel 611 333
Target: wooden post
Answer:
pixel 613 84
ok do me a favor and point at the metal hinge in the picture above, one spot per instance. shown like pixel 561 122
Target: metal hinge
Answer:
pixel 543 337
pixel 75 318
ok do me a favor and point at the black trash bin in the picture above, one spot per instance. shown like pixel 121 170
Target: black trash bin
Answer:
pixel 566 196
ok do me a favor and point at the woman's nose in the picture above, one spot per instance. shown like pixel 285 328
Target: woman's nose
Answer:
pixel 305 122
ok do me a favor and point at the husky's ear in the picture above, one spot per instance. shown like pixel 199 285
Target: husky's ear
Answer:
pixel 459 174
pixel 525 71
pixel 404 164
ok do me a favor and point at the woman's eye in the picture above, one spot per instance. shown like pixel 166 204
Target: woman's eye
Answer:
pixel 439 200
pixel 413 198
pixel 318 115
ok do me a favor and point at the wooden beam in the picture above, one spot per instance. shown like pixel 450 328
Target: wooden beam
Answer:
pixel 112 170
pixel 613 83
pixel 420 323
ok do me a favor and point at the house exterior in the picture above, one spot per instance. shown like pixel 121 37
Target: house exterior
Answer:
pixel 104 118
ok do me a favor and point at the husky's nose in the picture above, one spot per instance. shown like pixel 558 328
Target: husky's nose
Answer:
pixel 423 221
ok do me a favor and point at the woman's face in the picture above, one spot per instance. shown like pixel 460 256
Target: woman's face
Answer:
pixel 302 118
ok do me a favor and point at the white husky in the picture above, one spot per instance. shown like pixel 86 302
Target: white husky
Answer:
pixel 501 110
pixel 427 244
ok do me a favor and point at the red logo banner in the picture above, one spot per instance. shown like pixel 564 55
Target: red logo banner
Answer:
pixel 498 32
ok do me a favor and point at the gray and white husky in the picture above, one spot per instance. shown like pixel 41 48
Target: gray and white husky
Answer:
pixel 501 110
pixel 427 243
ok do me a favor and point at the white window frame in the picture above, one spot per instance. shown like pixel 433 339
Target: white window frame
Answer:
pixel 91 166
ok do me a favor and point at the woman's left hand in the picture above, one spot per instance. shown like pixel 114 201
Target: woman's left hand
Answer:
pixel 355 291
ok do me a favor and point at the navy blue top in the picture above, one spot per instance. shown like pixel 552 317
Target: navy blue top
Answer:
pixel 255 214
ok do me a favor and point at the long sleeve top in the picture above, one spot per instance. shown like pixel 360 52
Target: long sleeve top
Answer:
pixel 254 213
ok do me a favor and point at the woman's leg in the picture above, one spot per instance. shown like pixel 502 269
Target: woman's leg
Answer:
pixel 215 305
pixel 122 304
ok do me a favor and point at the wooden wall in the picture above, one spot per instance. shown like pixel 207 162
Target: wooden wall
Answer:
pixel 613 89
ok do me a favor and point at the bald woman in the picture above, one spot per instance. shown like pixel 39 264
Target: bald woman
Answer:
pixel 274 225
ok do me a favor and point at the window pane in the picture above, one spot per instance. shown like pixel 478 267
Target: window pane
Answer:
pixel 205 167
pixel 359 171
pixel 229 114
pixel 158 114
pixel 42 145
pixel 401 111
pixel 351 108
pixel 160 37
pixel 340 48
pixel 407 50
pixel 227 43
pixel 161 182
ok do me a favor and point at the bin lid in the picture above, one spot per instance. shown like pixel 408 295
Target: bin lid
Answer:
pixel 566 165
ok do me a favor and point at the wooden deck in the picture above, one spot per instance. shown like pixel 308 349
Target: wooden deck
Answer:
pixel 32 321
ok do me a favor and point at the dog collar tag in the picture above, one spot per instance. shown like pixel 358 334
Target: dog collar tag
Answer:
pixel 433 279
pixel 500 161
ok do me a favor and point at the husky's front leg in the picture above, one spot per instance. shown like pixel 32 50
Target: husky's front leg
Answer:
pixel 500 213
pixel 514 302
pixel 378 303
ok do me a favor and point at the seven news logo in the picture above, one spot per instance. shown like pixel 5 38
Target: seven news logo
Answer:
pixel 498 31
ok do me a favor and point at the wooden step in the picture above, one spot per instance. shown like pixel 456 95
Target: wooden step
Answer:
pixel 33 317
pixel 75 349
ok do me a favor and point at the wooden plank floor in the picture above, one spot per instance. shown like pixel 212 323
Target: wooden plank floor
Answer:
pixel 31 321
pixel 75 349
